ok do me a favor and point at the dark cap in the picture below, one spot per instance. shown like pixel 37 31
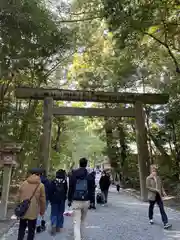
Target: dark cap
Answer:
pixel 38 171
pixel 61 174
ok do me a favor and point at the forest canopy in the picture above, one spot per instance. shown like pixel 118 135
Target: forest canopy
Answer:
pixel 94 45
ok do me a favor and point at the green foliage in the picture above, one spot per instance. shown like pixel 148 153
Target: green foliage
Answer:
pixel 32 41
pixel 133 45
pixel 30 38
pixel 98 45
pixel 77 140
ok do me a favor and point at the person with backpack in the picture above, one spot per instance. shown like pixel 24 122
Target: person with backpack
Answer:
pixel 80 192
pixel 32 202
pixel 104 184
pixel 57 198
pixel 41 223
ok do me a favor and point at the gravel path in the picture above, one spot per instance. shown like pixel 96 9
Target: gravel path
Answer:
pixel 124 218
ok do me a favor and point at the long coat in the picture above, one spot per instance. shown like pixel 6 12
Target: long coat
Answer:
pixel 38 201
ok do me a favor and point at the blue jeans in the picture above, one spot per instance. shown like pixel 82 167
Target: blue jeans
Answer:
pixel 105 195
pixel 57 217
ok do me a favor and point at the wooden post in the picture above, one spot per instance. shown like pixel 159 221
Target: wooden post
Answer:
pixel 46 140
pixel 5 191
pixel 142 147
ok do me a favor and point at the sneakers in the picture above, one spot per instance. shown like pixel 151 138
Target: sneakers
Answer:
pixel 167 226
pixel 41 228
pixel 151 221
pixel 38 229
pixel 43 225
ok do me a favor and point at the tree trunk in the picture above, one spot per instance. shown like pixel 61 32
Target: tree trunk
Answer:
pixel 57 141
pixel 159 147
pixel 27 120
pixel 111 151
pixel 177 151
pixel 143 153
pixel 123 148
pixel 47 126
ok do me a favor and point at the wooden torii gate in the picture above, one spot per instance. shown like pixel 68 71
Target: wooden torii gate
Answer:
pixel 138 99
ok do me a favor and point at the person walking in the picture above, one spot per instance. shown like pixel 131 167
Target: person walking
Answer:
pixel 41 223
pixel 79 194
pixel 32 189
pixel 155 192
pixel 57 198
pixel 93 196
pixel 117 182
pixel 104 184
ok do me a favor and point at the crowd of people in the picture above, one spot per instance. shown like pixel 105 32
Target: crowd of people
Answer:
pixel 78 188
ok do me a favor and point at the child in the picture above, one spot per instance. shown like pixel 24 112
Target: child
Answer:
pixel 41 223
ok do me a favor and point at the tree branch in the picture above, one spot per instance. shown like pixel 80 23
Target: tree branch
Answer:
pixel 168 49
pixel 83 13
pixel 57 65
pixel 79 20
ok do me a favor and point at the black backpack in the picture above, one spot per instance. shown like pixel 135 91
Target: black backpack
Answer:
pixel 22 208
pixel 81 190
pixel 59 188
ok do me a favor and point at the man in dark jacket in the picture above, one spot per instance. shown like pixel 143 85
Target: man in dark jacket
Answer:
pixel 57 198
pixel 80 192
pixel 104 184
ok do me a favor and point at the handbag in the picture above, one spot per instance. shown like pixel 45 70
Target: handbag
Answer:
pixel 68 212
pixel 23 207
